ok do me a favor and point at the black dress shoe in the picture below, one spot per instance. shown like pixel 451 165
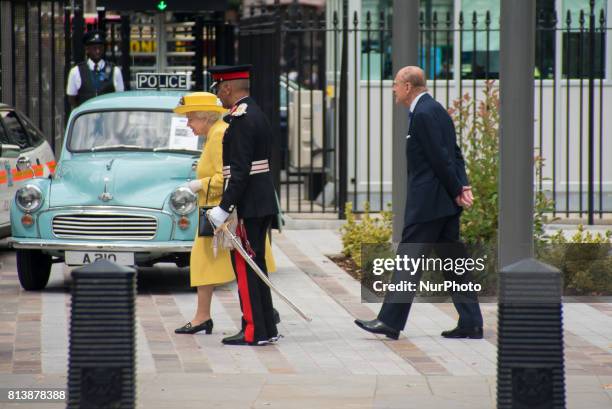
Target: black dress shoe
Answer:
pixel 459 332
pixel 192 329
pixel 276 316
pixel 238 339
pixel 378 327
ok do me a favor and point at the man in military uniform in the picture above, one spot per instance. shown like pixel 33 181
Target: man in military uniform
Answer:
pixel 249 190
pixel 95 76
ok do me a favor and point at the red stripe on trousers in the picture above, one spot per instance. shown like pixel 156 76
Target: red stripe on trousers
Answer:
pixel 243 289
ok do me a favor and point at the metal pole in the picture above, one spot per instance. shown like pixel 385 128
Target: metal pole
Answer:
pixel 26 69
pixel 67 57
pixel 125 50
pixel 517 55
pixel 198 44
pixel 591 198
pixel 78 28
pixel 162 46
pixel 52 82
pixel 405 52
pixel 101 19
pixel 530 363
pixel 221 52
pixel 343 125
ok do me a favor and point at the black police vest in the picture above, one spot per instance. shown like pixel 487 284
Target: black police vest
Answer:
pixel 92 86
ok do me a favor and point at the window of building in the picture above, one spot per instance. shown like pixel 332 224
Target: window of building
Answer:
pixel 478 35
pixel 575 23
pixel 479 38
pixel 480 41
pixel 437 38
pixel 375 35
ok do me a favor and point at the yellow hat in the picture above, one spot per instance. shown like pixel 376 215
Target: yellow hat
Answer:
pixel 199 101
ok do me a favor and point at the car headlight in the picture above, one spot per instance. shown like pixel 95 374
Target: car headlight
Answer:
pixel 29 198
pixel 183 200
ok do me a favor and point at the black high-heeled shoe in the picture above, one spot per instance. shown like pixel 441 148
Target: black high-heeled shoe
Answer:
pixel 192 329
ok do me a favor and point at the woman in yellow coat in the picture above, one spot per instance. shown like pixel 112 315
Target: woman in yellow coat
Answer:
pixel 206 270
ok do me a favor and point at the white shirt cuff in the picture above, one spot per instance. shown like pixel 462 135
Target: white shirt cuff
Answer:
pixel 195 185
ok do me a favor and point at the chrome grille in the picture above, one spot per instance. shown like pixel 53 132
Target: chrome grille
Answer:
pixel 105 226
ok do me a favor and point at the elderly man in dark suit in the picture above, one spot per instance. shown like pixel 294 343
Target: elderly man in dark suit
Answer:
pixel 438 190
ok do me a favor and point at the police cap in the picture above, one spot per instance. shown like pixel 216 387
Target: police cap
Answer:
pixel 93 37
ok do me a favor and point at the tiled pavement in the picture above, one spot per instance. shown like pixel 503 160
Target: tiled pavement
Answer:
pixel 328 363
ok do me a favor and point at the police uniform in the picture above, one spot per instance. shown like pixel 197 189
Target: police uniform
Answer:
pixel 89 79
pixel 249 190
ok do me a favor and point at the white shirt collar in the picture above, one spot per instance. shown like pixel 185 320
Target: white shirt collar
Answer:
pixel 91 64
pixel 416 100
pixel 240 100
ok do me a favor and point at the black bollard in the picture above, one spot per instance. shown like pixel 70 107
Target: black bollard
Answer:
pixel 102 369
pixel 530 368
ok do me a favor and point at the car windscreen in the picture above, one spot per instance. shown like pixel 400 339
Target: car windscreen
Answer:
pixel 135 130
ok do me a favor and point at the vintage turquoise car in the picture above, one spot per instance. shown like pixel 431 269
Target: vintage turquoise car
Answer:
pixel 118 191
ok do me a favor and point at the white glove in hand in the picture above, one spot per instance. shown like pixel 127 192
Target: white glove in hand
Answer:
pixel 195 185
pixel 218 216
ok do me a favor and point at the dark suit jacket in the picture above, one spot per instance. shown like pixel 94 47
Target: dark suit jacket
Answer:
pixel 248 138
pixel 436 170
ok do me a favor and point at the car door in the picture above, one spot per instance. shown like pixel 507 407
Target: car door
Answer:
pixel 17 136
pixel 9 152
pixel 38 152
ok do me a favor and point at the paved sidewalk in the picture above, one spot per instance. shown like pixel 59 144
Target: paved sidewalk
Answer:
pixel 329 363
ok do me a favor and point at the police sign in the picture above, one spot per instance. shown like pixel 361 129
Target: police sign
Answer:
pixel 145 80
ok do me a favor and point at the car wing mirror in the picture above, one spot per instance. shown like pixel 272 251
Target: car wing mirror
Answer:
pixel 9 151
pixel 23 163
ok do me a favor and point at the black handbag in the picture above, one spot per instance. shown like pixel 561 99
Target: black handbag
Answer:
pixel 205 229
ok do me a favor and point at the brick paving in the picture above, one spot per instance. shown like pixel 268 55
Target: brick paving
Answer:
pixel 328 363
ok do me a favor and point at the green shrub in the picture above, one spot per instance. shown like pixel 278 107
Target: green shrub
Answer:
pixel 368 230
pixel 584 259
pixel 479 142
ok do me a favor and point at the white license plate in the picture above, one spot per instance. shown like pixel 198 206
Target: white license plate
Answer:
pixel 78 258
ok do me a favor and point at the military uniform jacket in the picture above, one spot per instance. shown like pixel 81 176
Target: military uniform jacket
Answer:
pixel 247 145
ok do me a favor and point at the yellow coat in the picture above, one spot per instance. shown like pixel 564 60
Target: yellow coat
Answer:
pixel 205 268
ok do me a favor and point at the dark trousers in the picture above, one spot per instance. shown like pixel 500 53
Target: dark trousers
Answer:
pixel 441 235
pixel 255 297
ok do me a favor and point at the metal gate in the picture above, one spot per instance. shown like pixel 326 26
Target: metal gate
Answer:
pixel 33 50
pixel 287 48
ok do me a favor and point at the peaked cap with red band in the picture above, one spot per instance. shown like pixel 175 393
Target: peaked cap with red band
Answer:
pixel 222 73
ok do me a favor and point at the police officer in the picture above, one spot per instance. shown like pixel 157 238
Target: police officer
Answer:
pixel 249 190
pixel 95 76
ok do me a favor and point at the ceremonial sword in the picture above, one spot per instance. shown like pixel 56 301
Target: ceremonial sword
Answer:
pixel 238 246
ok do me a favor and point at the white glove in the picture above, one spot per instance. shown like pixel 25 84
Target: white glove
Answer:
pixel 195 185
pixel 218 216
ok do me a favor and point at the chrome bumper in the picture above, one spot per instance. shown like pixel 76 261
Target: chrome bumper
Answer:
pixel 136 247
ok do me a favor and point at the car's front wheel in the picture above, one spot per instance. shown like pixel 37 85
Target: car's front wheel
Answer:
pixel 33 269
